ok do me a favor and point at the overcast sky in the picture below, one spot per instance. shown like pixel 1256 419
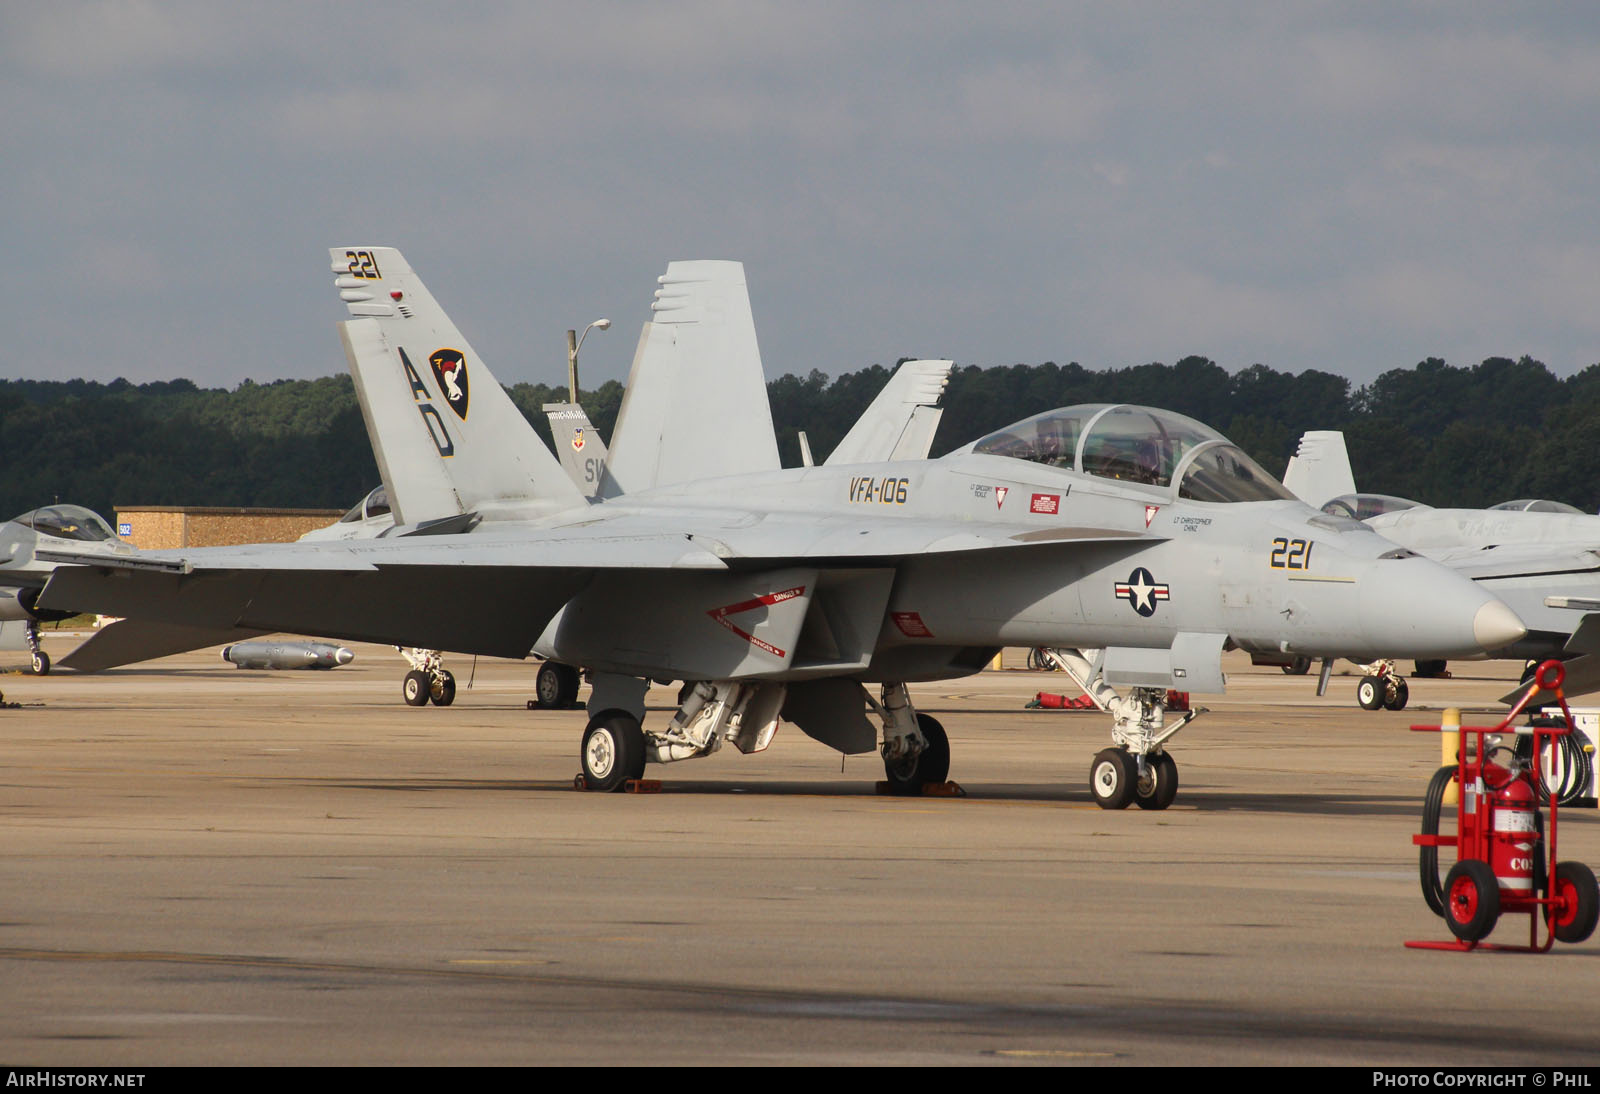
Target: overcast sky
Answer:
pixel 1342 186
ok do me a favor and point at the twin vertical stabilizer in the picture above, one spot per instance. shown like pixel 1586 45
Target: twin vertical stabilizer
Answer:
pixel 448 439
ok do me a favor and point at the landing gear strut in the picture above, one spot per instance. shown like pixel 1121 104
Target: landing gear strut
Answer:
pixel 1136 769
pixel 427 680
pixel 915 748
pixel 1382 688
pixel 613 751
pixel 556 686
pixel 40 664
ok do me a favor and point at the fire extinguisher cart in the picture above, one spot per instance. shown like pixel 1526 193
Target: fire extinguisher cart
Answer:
pixel 1505 854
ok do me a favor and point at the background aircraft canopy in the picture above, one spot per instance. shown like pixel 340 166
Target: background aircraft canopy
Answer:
pixel 1538 505
pixel 67 522
pixel 1362 506
pixel 1136 444
pixel 375 504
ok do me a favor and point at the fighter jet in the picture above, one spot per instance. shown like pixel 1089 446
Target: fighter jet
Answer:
pixel 1541 557
pixel 23 573
pixel 819 596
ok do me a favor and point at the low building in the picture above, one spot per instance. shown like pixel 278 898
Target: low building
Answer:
pixel 164 527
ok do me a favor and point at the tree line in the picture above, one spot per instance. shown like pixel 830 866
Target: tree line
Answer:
pixel 1438 433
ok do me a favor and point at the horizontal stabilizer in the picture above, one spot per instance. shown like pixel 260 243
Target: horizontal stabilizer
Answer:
pixel 1582 678
pixel 127 641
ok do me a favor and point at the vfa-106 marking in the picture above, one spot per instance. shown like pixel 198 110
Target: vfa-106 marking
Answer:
pixel 1133 542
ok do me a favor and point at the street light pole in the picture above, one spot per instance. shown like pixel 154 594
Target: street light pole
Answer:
pixel 574 340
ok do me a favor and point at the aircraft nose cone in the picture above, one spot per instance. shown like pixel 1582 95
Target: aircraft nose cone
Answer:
pixel 1414 607
pixel 1497 626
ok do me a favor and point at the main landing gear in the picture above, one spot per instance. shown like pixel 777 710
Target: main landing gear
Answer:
pixel 1136 769
pixel 428 680
pixel 915 748
pixel 555 687
pixel 39 660
pixel 616 745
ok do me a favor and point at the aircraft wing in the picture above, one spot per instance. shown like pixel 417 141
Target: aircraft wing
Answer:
pixel 492 592
pixel 1517 560
pixel 488 593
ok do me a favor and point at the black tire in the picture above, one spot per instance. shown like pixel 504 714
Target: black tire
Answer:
pixel 443 691
pixel 1298 667
pixel 414 689
pixel 556 686
pixel 1037 661
pixel 929 767
pixel 612 751
pixel 41 664
pixel 1396 693
pixel 1471 900
pixel 1112 775
pixel 1574 920
pixel 1159 786
pixel 1369 693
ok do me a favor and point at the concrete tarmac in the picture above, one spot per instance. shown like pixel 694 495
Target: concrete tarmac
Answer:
pixel 205 865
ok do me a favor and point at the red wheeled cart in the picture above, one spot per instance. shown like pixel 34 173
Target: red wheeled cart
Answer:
pixel 1505 854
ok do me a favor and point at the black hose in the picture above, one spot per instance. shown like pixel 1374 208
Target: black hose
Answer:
pixel 1428 857
pixel 1576 769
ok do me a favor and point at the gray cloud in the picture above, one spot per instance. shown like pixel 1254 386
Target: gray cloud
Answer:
pixel 1320 185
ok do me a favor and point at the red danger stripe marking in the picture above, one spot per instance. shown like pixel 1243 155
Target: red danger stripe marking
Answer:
pixel 720 615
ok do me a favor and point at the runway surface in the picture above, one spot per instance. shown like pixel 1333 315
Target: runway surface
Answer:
pixel 205 865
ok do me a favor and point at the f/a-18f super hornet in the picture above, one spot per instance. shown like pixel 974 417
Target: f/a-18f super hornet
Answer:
pixel 818 595
pixel 716 329
pixel 23 573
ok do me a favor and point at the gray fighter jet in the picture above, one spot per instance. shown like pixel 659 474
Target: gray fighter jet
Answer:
pixel 1541 557
pixel 1138 537
pixel 23 574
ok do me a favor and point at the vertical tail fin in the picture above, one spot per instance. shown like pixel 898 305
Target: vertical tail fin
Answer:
pixel 578 445
pixel 1319 471
pixel 447 437
pixel 696 405
pixel 900 422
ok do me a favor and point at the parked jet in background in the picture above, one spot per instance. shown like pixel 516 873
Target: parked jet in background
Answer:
pixel 1138 537
pixel 23 574
pixel 1542 558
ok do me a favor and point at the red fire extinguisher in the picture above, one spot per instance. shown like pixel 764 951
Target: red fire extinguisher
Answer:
pixel 1515 843
pixel 1504 863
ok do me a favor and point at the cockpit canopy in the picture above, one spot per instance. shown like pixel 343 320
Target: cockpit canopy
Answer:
pixel 1362 506
pixel 1538 505
pixel 375 504
pixel 67 522
pixel 1139 445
